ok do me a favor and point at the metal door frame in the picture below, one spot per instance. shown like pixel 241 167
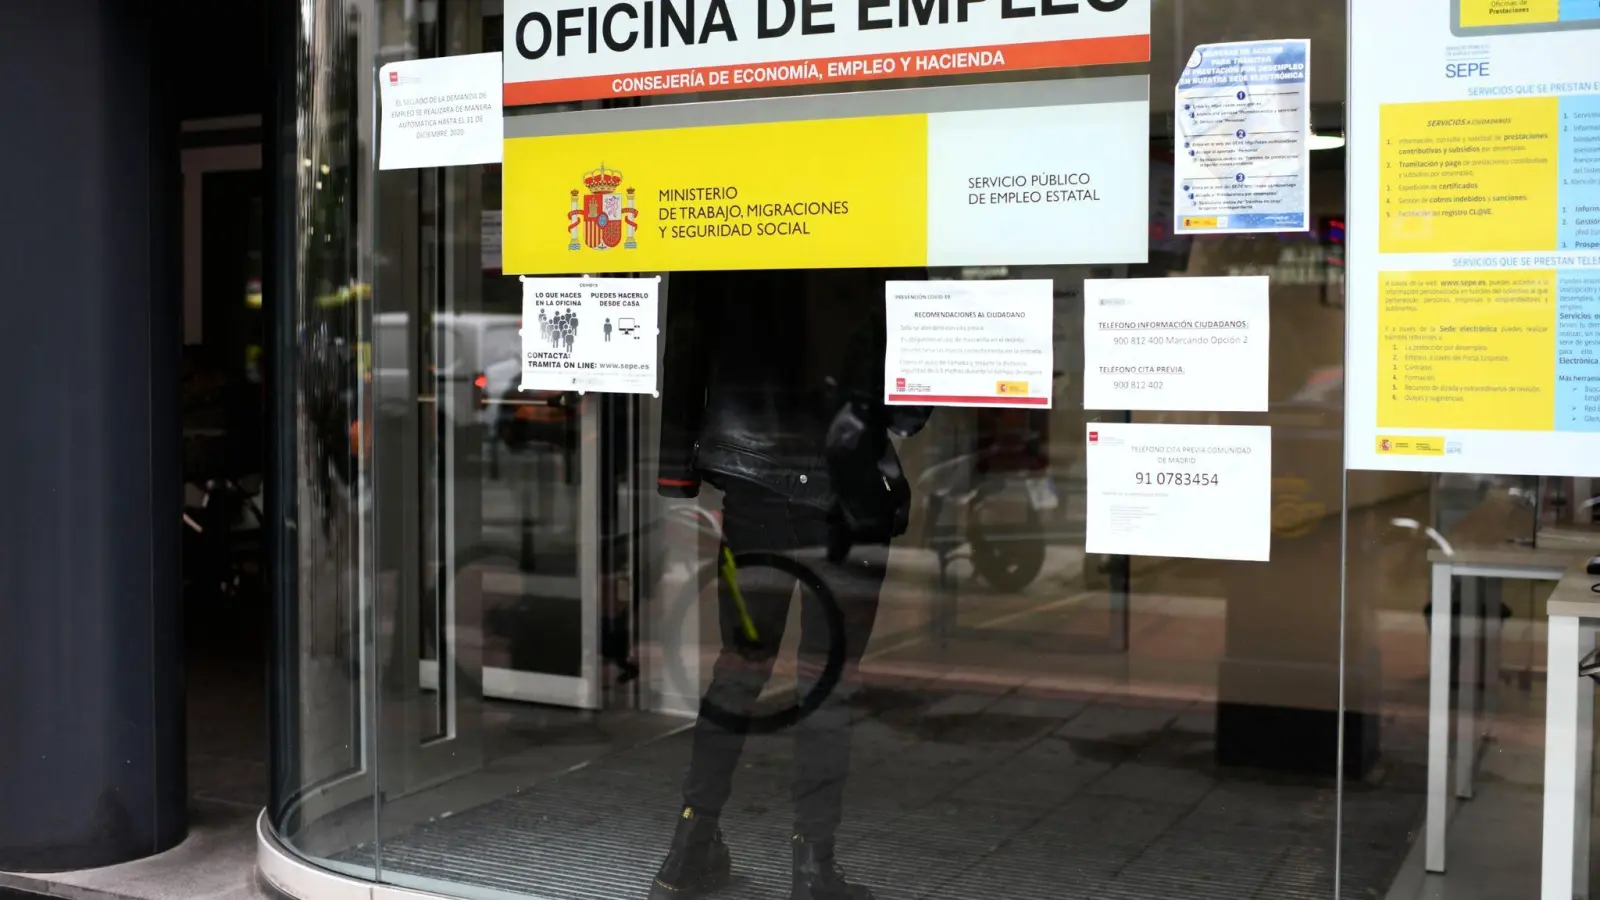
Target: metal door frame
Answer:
pixel 196 163
pixel 584 690
pixel 413 756
pixel 407 400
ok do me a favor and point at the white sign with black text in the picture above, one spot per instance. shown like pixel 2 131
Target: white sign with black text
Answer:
pixel 590 334
pixel 1186 491
pixel 970 343
pixel 444 111
pixel 1192 344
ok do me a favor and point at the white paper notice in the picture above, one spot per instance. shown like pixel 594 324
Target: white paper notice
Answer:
pixel 443 111
pixel 1193 491
pixel 589 334
pixel 491 240
pixel 969 343
pixel 1176 344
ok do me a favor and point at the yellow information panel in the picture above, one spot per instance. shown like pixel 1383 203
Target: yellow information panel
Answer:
pixel 1042 185
pixel 1467 350
pixel 779 195
pixel 1470 176
pixel 1473 314
pixel 1485 13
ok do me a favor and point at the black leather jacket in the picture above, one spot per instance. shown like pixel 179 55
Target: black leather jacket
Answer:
pixel 758 365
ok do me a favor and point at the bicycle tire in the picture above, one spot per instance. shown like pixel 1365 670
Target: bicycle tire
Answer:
pixel 755 721
pixel 1010 557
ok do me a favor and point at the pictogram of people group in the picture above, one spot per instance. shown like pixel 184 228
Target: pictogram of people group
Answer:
pixel 560 329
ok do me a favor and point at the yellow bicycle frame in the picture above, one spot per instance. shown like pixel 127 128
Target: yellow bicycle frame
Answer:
pixel 730 573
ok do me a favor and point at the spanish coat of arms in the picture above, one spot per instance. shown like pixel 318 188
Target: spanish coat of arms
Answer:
pixel 601 219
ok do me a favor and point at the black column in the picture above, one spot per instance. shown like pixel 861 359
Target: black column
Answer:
pixel 91 698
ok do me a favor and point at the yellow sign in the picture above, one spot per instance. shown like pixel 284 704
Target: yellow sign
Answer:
pixel 1467 350
pixel 1479 13
pixel 1008 388
pixel 1199 221
pixel 826 193
pixel 1410 446
pixel 1470 175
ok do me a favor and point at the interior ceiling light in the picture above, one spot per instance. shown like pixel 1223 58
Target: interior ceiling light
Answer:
pixel 1325 141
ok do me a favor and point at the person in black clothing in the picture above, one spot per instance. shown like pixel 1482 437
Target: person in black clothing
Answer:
pixel 804 461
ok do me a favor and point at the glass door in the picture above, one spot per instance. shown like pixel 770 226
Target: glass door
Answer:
pixel 540 541
pixel 486 498
pixel 428 438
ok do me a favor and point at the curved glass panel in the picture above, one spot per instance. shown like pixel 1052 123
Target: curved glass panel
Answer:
pixel 324 747
pixel 513 661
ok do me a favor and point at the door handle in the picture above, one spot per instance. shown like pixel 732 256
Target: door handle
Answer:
pixel 427 399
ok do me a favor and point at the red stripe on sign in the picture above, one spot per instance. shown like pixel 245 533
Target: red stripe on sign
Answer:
pixel 676 482
pixel 1100 51
pixel 951 398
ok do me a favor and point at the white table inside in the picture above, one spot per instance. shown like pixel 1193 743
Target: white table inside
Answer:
pixel 1480 641
pixel 1574 611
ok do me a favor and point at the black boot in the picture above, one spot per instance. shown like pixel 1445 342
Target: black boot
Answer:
pixel 698 863
pixel 817 875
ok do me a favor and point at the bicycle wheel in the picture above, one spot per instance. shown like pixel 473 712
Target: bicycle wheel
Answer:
pixel 764 715
pixel 1007 545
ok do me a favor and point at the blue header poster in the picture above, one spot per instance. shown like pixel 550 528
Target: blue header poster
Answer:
pixel 1243 122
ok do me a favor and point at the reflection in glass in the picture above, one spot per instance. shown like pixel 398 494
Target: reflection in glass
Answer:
pixel 318 363
pixel 501 609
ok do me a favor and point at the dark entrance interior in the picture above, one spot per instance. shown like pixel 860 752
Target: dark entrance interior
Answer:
pixel 221 90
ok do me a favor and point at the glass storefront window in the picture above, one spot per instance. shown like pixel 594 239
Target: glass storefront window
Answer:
pixel 518 664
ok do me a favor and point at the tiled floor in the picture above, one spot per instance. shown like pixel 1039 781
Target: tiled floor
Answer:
pixel 1129 783
pixel 1494 841
pixel 953 795
pixel 1091 776
pixel 1076 781
pixel 216 862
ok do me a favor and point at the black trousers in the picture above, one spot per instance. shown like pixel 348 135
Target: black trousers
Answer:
pixel 756 519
